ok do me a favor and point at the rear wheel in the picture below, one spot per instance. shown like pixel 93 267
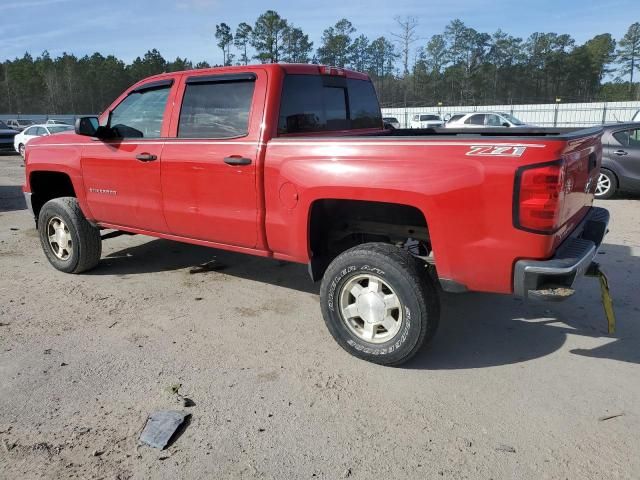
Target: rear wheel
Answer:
pixel 70 242
pixel 21 149
pixel 379 303
pixel 607 184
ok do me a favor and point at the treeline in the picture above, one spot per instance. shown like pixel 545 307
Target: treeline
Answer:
pixel 460 66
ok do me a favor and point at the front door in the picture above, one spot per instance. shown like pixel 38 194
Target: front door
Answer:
pixel 209 165
pixel 122 174
pixel 625 150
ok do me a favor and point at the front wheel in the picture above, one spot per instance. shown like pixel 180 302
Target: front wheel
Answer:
pixel 379 303
pixel 69 241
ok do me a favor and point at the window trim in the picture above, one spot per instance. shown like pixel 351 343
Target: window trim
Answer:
pixel 221 78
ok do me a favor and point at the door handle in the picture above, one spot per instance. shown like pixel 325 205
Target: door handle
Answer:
pixel 146 157
pixel 237 160
pixel 620 153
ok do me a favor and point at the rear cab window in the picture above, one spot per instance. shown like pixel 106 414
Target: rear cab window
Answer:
pixel 216 107
pixel 323 103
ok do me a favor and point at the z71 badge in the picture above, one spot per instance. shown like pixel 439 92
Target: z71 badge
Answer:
pixel 497 150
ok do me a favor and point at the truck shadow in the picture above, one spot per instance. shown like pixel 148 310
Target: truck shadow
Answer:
pixel 476 330
pixel 484 330
pixel 11 198
pixel 165 255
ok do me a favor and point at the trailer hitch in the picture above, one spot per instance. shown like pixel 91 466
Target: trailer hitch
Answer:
pixel 607 302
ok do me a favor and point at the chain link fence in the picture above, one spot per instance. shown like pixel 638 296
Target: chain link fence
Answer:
pixel 544 115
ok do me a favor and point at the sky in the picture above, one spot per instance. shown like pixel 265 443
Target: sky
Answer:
pixel 186 28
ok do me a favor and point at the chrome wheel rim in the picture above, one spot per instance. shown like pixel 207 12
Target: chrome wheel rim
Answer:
pixel 59 238
pixel 370 308
pixel 604 185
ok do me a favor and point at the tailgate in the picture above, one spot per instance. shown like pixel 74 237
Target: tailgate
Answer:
pixel 581 167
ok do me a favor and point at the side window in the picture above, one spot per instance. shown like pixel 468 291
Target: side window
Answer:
pixel 475 120
pixel 216 109
pixel 29 131
pixel 317 103
pixel 140 114
pixel 634 138
pixel 494 121
pixel 622 137
pixel 39 131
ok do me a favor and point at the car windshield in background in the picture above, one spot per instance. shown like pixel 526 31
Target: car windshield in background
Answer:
pixel 390 119
pixel 26 122
pixel 4 126
pixel 455 118
pixel 59 128
pixel 512 119
pixel 426 118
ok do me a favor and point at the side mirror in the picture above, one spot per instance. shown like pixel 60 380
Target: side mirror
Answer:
pixel 87 126
pixel 505 124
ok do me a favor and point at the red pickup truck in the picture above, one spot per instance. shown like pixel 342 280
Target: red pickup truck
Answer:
pixel 293 162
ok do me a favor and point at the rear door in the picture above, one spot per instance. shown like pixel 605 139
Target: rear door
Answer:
pixel 122 175
pixel 624 149
pixel 209 164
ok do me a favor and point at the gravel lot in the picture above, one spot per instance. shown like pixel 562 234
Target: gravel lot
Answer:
pixel 507 390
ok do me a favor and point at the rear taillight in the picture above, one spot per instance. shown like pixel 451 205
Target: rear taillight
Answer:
pixel 538 190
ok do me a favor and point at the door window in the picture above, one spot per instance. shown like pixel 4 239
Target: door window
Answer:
pixel 140 114
pixel 628 138
pixel 494 121
pixel 216 109
pixel 475 120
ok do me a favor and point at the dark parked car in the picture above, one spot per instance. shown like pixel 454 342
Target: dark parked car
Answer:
pixel 19 124
pixel 6 138
pixel 620 160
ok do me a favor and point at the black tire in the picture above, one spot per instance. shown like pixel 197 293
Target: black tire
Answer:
pixel 407 278
pixel 86 245
pixel 613 184
pixel 21 150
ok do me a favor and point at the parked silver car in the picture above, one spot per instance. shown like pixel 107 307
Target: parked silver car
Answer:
pixel 484 120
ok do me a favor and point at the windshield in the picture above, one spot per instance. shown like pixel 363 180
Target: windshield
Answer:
pixel 390 119
pixel 26 122
pixel 455 118
pixel 426 118
pixel 59 128
pixel 512 119
pixel 4 125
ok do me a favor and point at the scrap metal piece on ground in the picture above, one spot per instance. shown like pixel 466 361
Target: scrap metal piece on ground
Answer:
pixel 161 426
pixel 210 266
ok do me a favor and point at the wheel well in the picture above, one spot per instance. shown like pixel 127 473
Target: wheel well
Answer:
pixel 46 186
pixel 337 225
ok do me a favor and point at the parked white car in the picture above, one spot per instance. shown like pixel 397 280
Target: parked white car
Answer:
pixel 55 122
pixel 426 120
pixel 391 121
pixel 21 139
pixel 484 120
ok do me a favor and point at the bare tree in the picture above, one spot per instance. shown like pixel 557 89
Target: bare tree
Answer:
pixel 406 37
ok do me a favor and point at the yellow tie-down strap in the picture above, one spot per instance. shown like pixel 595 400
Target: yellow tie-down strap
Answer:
pixel 607 302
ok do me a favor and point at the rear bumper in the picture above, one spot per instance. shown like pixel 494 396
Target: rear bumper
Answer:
pixel 553 278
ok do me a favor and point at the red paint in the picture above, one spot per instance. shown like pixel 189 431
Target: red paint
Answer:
pixel 191 195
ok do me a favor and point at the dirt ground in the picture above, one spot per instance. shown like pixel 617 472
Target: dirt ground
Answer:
pixel 506 390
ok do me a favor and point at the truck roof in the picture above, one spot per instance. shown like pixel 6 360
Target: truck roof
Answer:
pixel 292 68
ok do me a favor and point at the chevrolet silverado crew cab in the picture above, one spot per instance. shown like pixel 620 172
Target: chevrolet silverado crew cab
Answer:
pixel 292 162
